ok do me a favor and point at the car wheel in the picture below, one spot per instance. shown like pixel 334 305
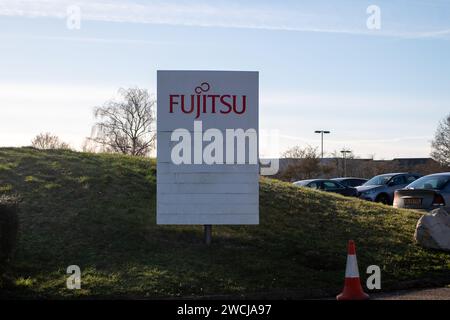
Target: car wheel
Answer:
pixel 382 198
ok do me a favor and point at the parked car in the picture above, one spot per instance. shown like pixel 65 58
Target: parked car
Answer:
pixel 427 193
pixel 327 185
pixel 350 181
pixel 381 188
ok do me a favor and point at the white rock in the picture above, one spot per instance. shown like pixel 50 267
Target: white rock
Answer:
pixel 433 230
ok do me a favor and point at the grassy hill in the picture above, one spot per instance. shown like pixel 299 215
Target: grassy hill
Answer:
pixel 98 212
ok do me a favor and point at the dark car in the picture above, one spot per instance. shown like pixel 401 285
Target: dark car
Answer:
pixel 327 185
pixel 381 188
pixel 350 181
pixel 427 193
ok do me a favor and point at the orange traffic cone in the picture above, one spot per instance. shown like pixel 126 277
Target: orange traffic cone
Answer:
pixel 352 285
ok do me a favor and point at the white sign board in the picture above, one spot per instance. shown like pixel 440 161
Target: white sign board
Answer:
pixel 207 147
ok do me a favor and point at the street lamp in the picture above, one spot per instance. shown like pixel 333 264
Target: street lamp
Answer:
pixel 322 132
pixel 344 155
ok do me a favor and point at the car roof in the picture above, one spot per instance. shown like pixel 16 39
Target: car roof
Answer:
pixel 310 180
pixel 396 174
pixel 314 180
pixel 345 178
pixel 439 174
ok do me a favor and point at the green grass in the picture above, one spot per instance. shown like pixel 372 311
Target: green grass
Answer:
pixel 98 211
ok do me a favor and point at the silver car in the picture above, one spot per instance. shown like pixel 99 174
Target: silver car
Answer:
pixel 381 188
pixel 427 193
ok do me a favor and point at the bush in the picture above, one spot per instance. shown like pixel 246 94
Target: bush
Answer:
pixel 9 225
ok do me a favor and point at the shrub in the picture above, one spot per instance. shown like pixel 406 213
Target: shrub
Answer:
pixel 46 141
pixel 9 225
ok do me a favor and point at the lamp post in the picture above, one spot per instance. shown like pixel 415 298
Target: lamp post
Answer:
pixel 322 132
pixel 344 156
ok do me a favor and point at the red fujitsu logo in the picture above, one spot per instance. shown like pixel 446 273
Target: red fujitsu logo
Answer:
pixel 202 101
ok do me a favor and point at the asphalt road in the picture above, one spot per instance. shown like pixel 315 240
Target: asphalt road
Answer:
pixel 422 294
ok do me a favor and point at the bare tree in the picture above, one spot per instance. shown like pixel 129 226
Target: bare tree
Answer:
pixel 47 141
pixel 297 152
pixel 125 126
pixel 91 146
pixel 304 163
pixel 441 143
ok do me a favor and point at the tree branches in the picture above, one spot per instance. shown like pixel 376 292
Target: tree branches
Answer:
pixel 46 141
pixel 441 143
pixel 126 126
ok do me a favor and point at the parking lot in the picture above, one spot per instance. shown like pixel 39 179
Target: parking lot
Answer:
pixel 401 190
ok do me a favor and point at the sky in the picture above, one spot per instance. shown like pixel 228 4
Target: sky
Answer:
pixel 381 92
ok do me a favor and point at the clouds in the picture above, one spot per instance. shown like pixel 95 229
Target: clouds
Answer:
pixel 28 109
pixel 373 93
pixel 387 125
pixel 66 110
pixel 347 18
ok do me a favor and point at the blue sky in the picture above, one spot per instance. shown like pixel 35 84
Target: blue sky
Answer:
pixel 380 92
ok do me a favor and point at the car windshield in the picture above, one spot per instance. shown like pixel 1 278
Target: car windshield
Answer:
pixel 378 181
pixel 430 182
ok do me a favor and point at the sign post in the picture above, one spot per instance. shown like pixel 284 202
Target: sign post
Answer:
pixel 207 148
pixel 208 234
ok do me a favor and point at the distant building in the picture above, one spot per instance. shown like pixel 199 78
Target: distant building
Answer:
pixel 411 162
pixel 364 168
